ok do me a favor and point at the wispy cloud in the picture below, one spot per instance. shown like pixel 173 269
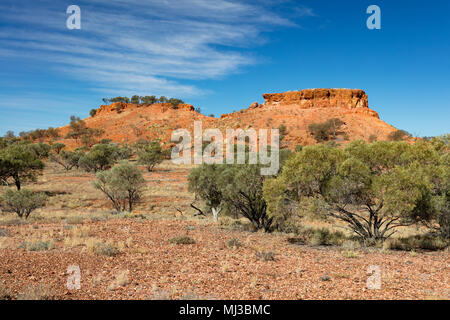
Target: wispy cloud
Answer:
pixel 137 46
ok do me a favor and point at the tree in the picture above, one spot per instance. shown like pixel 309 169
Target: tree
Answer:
pixel 323 131
pixel 67 159
pixel 122 185
pixel 103 157
pixel 9 135
pixel 41 150
pixel 242 190
pixel 374 189
pixel 235 188
pixel 77 128
pixel 19 163
pixel 149 100
pixel 151 154
pixel 93 112
pixel 163 99
pixel 175 102
pixel 203 181
pixel 135 99
pixel 22 202
pixel 398 135
pixel 58 147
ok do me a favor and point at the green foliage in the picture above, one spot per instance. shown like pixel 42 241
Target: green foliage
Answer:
pixel 22 202
pixel 103 156
pixel 318 237
pixel 236 188
pixel 93 112
pixel 135 99
pixel 150 154
pixel 41 150
pixel 203 181
pixel 40 134
pixel 9 135
pixel 327 130
pixel 106 249
pixel 175 102
pixel 399 135
pixel 57 147
pixel 19 163
pixel 79 131
pixel 234 243
pixel 39 245
pixel 241 187
pixel 122 185
pixel 265 255
pixel 282 131
pixel 149 100
pixel 182 240
pixel 67 159
pixel 418 242
pixel 120 99
pixel 373 188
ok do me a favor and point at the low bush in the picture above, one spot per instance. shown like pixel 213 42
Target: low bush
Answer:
pixel 5 293
pixel 106 249
pixel 265 255
pixel 182 240
pixel 417 242
pixel 23 202
pixel 37 245
pixel 325 131
pixel 4 232
pixel 318 237
pixel 36 292
pixel 234 243
pixel 399 135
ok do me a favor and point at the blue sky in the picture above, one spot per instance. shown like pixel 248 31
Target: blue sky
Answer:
pixel 222 55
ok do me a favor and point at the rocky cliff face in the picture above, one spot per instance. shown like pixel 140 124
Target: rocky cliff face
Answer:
pixel 352 99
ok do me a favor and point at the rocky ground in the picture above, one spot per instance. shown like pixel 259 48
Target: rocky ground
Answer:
pixel 134 256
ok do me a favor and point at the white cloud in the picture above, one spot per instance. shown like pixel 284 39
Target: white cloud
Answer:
pixel 137 46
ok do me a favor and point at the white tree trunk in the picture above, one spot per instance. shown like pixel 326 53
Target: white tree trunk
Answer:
pixel 215 213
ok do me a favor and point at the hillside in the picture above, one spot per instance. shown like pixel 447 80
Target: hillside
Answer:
pixel 125 122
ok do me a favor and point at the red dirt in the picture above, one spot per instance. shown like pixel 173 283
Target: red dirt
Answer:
pixel 296 110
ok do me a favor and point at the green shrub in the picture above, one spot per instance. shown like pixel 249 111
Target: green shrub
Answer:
pixel 324 131
pixel 23 202
pixel 150 154
pixel 58 147
pixel 101 157
pixel 4 232
pixel 265 255
pixel 325 237
pixel 19 163
pixel 106 249
pixel 93 112
pixel 399 135
pixel 122 185
pixel 182 240
pixel 5 293
pixel 234 243
pixel 372 188
pixel 67 159
pixel 418 242
pixel 36 292
pixel 39 245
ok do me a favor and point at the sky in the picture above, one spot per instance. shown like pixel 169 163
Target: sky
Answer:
pixel 222 55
